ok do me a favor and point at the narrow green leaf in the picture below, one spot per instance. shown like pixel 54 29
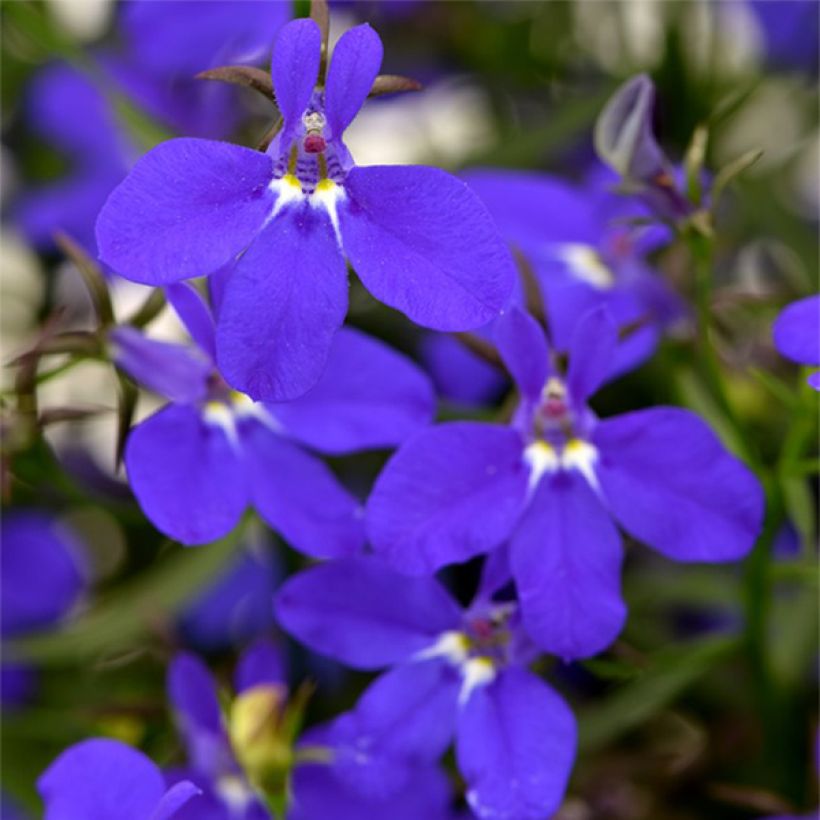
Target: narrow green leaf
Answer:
pixel 670 674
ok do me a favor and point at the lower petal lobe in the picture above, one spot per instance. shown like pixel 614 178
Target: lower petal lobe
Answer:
pixel 566 559
pixel 283 303
pixel 515 745
pixel 299 496
pixel 670 483
pixel 422 242
pixel 186 475
pixel 449 493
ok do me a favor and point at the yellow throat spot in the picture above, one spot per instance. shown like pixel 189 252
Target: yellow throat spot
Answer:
pixel 325 185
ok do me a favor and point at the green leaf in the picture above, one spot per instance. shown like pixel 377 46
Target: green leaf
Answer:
pixel 670 674
pixel 729 172
pixel 131 611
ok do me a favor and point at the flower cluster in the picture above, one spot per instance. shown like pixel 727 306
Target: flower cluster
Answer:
pixel 516 280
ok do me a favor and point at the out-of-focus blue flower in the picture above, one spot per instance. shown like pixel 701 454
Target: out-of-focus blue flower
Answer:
pixel 100 778
pixel 797 334
pixel 40 581
pixel 792 31
pixel 584 254
pixel 67 110
pixel 201 460
pixel 454 671
pixel 236 608
pixel 282 223
pixel 212 765
pixel 166 45
pixel 553 481
pixel 625 141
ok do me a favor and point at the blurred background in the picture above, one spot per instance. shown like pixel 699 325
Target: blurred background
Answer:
pixel 677 720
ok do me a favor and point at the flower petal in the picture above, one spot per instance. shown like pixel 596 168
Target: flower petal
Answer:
pixel 408 713
pixel 423 243
pixel 566 558
pixel 188 207
pixel 174 799
pixel 797 331
pixel 194 314
pixel 369 396
pixel 299 496
pixel 177 372
pixel 41 577
pixel 356 60
pixel 262 663
pixel 449 493
pixel 671 484
pixel 98 779
pixel 515 746
pixel 523 347
pixel 363 613
pixel 533 209
pixel 284 302
pixel 295 68
pixel 185 475
pixel 590 354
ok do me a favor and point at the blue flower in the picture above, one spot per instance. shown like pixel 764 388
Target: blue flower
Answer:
pixel 797 334
pixel 454 672
pixel 211 763
pixel 66 109
pixel 554 482
pixel 41 579
pixel 195 465
pixel 100 778
pixel 279 226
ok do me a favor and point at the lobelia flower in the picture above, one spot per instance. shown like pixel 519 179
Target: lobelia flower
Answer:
pixel 197 463
pixel 236 607
pixel 797 334
pixel 278 226
pixel 41 579
pixel 554 483
pixel 453 671
pixel 66 109
pixel 212 764
pixel 101 778
pixel 167 44
pixel 583 253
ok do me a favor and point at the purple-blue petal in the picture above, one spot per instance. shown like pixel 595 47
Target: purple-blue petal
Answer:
pixel 670 483
pixel 295 68
pixel 236 607
pixel 173 38
pixel 797 331
pixel 515 746
pixel 177 372
pixel 40 577
pixel 188 207
pixel 283 304
pixel 174 800
pixel 193 697
pixel 194 314
pixel 299 496
pixel 523 347
pixel 566 558
pixel 369 396
pixel 449 493
pixel 423 243
pixel 98 779
pixel 186 475
pixel 364 613
pixel 590 354
pixel 356 60
pixel 261 664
